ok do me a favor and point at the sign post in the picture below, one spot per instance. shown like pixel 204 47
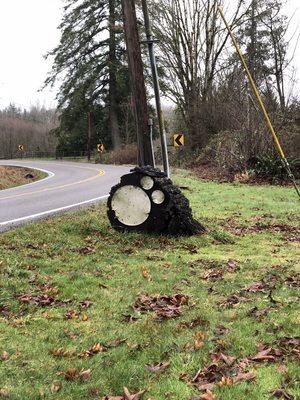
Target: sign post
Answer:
pixel 21 150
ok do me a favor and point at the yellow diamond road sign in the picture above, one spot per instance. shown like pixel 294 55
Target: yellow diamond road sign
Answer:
pixel 21 147
pixel 100 148
pixel 178 140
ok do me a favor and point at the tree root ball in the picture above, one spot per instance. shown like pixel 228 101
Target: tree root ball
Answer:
pixel 147 201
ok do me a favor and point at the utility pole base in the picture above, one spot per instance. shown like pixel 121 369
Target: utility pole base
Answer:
pixel 147 201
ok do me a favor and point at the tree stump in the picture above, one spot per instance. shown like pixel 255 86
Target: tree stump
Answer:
pixel 147 201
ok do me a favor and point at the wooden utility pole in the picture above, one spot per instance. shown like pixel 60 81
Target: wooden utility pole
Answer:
pixel 89 141
pixel 140 109
pixel 113 104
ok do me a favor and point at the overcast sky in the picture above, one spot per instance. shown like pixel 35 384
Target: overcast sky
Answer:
pixel 28 29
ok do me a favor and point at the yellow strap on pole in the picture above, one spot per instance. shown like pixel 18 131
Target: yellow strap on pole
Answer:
pixel 260 102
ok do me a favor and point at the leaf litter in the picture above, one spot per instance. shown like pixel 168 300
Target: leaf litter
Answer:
pixel 163 306
pixel 281 393
pixel 160 367
pixel 101 348
pixel 74 374
pixel 126 396
pixel 227 370
pixel 45 296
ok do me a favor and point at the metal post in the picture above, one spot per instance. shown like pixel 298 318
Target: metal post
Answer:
pixel 161 122
pixel 150 124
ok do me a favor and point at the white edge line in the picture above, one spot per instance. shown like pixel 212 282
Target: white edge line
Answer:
pixel 50 212
pixel 49 173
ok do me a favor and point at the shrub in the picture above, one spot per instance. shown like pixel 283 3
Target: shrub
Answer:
pixel 272 168
pixel 246 151
pixel 127 154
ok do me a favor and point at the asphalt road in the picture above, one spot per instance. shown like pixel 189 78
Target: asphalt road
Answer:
pixel 69 185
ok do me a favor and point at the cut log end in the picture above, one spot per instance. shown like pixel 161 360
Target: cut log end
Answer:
pixel 147 201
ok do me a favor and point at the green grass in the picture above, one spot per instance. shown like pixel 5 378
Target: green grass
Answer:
pixel 51 252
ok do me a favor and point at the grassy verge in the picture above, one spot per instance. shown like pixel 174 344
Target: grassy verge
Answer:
pixel 69 329
pixel 16 176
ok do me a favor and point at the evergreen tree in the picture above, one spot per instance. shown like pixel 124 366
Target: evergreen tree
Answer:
pixel 89 65
pixel 263 40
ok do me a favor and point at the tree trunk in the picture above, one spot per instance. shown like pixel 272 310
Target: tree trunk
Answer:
pixel 145 155
pixel 89 141
pixel 113 106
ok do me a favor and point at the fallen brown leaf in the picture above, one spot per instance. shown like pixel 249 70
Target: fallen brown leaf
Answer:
pixel 94 392
pixel 99 348
pixel 84 375
pixel 259 313
pixel 290 346
pixel 102 286
pixel 158 367
pixel 163 306
pixel 61 352
pixel 207 396
pixel 70 374
pixel 85 304
pixel 244 376
pixel 92 351
pixel 293 281
pixel 129 251
pixel 228 360
pixel 55 387
pixel 191 248
pixel 266 354
pixel 71 314
pixel 114 343
pixel 146 274
pixel 225 382
pixel 126 396
pixel 4 356
pixel 256 287
pixel 282 369
pixel 42 300
pixel 198 344
pixel 4 393
pixel 281 394
pixel 221 330
pixel 233 300
pixel 193 324
pixel 4 311
pixel 73 374
pixel 224 371
pixel 86 250
pixel 127 318
pixel 214 274
pixel 232 266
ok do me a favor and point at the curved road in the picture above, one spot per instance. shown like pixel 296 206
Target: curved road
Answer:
pixel 69 185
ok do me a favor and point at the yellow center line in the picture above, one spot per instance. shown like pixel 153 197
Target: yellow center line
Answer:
pixel 99 173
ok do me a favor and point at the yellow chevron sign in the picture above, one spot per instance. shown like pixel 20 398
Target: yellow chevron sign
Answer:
pixel 21 147
pixel 178 140
pixel 100 148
